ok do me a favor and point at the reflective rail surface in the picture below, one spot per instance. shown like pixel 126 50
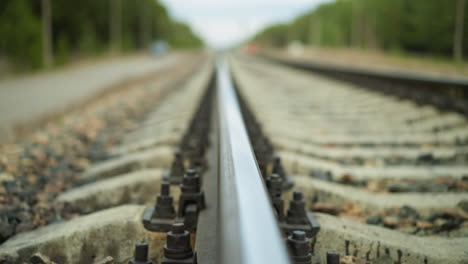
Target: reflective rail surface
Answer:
pixel 248 229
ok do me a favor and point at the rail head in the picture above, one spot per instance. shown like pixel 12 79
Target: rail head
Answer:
pixel 249 232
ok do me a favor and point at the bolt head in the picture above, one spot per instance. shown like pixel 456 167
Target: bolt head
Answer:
pixel 333 257
pixel 178 243
pixel 178 228
pixel 275 177
pixel 165 188
pixel 297 196
pixel 299 247
pixel 141 252
pixel 299 235
pixel 191 172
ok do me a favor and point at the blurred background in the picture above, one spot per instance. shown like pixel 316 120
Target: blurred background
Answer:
pixel 429 35
pixel 426 27
pixel 47 44
pixel 37 34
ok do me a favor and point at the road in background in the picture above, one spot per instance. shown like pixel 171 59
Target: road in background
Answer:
pixel 27 98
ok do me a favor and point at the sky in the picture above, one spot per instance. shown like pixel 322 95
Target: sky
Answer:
pixel 222 23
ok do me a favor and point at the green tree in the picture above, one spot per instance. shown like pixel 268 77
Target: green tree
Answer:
pixel 82 28
pixel 414 26
pixel 20 29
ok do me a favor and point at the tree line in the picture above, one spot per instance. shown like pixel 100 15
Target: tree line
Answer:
pixel 41 33
pixel 433 27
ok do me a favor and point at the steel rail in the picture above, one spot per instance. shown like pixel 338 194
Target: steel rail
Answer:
pixel 399 75
pixel 248 229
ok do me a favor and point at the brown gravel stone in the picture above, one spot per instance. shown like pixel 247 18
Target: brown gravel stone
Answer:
pixel 424 224
pixel 106 260
pixel 391 221
pixel 40 259
pixel 353 260
pixel 462 185
pixel 351 209
pixel 346 179
pixel 354 218
pixel 325 208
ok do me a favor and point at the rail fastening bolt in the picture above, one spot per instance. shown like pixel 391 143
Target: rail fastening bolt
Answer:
pixel 191 182
pixel 296 213
pixel 164 203
pixel 178 243
pixel 141 254
pixel 299 247
pixel 333 257
pixel 191 192
pixel 177 168
pixel 274 184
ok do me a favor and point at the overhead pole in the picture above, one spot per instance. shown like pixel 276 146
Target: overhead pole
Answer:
pixel 47 55
pixel 459 28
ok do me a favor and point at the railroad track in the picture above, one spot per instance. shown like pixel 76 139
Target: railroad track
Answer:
pixel 445 93
pixel 250 162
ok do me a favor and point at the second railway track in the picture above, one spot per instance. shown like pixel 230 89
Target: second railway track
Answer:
pixel 245 161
